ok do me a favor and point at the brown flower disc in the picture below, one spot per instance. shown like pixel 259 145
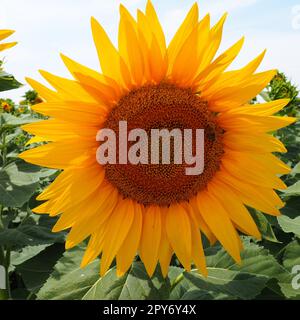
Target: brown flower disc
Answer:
pixel 164 106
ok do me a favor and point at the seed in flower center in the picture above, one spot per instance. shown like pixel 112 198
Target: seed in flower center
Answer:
pixel 164 106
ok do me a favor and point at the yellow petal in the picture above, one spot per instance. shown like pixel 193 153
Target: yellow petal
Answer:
pixel 182 34
pixel 60 182
pixel 236 77
pixel 37 139
pixel 130 50
pixel 181 73
pixel 208 75
pixel 150 239
pixel 94 247
pixel 266 162
pixel 165 250
pixel 67 89
pixel 69 219
pixel 111 64
pixel 253 123
pixel 263 199
pixel 204 34
pixel 262 109
pixel 67 197
pixel 99 206
pixel 258 143
pixel 145 35
pixel 214 41
pixel 62 154
pixel 110 88
pixel 156 27
pixel 5 34
pixel 55 130
pixel 4 46
pixel 241 170
pixel 116 232
pixel 90 114
pixel 218 221
pixel 44 92
pixel 192 208
pixel 234 207
pixel 158 63
pixel 197 248
pixel 182 246
pixel 236 95
pixel 130 245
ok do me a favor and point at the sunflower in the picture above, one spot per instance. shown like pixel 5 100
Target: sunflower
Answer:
pixel 156 211
pixel 3 35
pixel 6 106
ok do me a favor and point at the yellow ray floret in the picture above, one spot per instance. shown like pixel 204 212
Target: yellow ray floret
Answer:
pixel 3 35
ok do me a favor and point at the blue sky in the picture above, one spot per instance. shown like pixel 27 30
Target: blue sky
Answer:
pixel 46 28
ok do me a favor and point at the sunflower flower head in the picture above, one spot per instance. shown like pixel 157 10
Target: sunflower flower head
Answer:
pixel 157 210
pixel 6 106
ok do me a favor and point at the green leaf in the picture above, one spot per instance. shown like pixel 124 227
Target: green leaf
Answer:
pixel 291 256
pixel 291 260
pixel 7 120
pixel 68 281
pixel 289 225
pixel 293 190
pixel 18 181
pixel 264 226
pixel 16 186
pixel 20 256
pixel 135 285
pixel 37 270
pixel 8 82
pixel 31 235
pixel 291 208
pixel 34 171
pixel 296 169
pixel 182 289
pixel 233 284
pixel 257 261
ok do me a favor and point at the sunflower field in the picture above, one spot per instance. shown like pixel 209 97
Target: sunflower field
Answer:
pixel 41 259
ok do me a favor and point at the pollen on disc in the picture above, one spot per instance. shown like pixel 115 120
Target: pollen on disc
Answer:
pixel 164 106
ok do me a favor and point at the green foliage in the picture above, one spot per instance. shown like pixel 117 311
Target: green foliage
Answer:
pixel 281 88
pixel 263 225
pixel 68 280
pixel 8 82
pixel 290 225
pixel 135 285
pixel 16 186
pixel 31 98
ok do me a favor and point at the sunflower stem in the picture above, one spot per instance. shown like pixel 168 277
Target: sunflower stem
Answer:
pixel 4 149
pixel 4 293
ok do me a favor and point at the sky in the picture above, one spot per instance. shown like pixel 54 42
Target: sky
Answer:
pixel 45 28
